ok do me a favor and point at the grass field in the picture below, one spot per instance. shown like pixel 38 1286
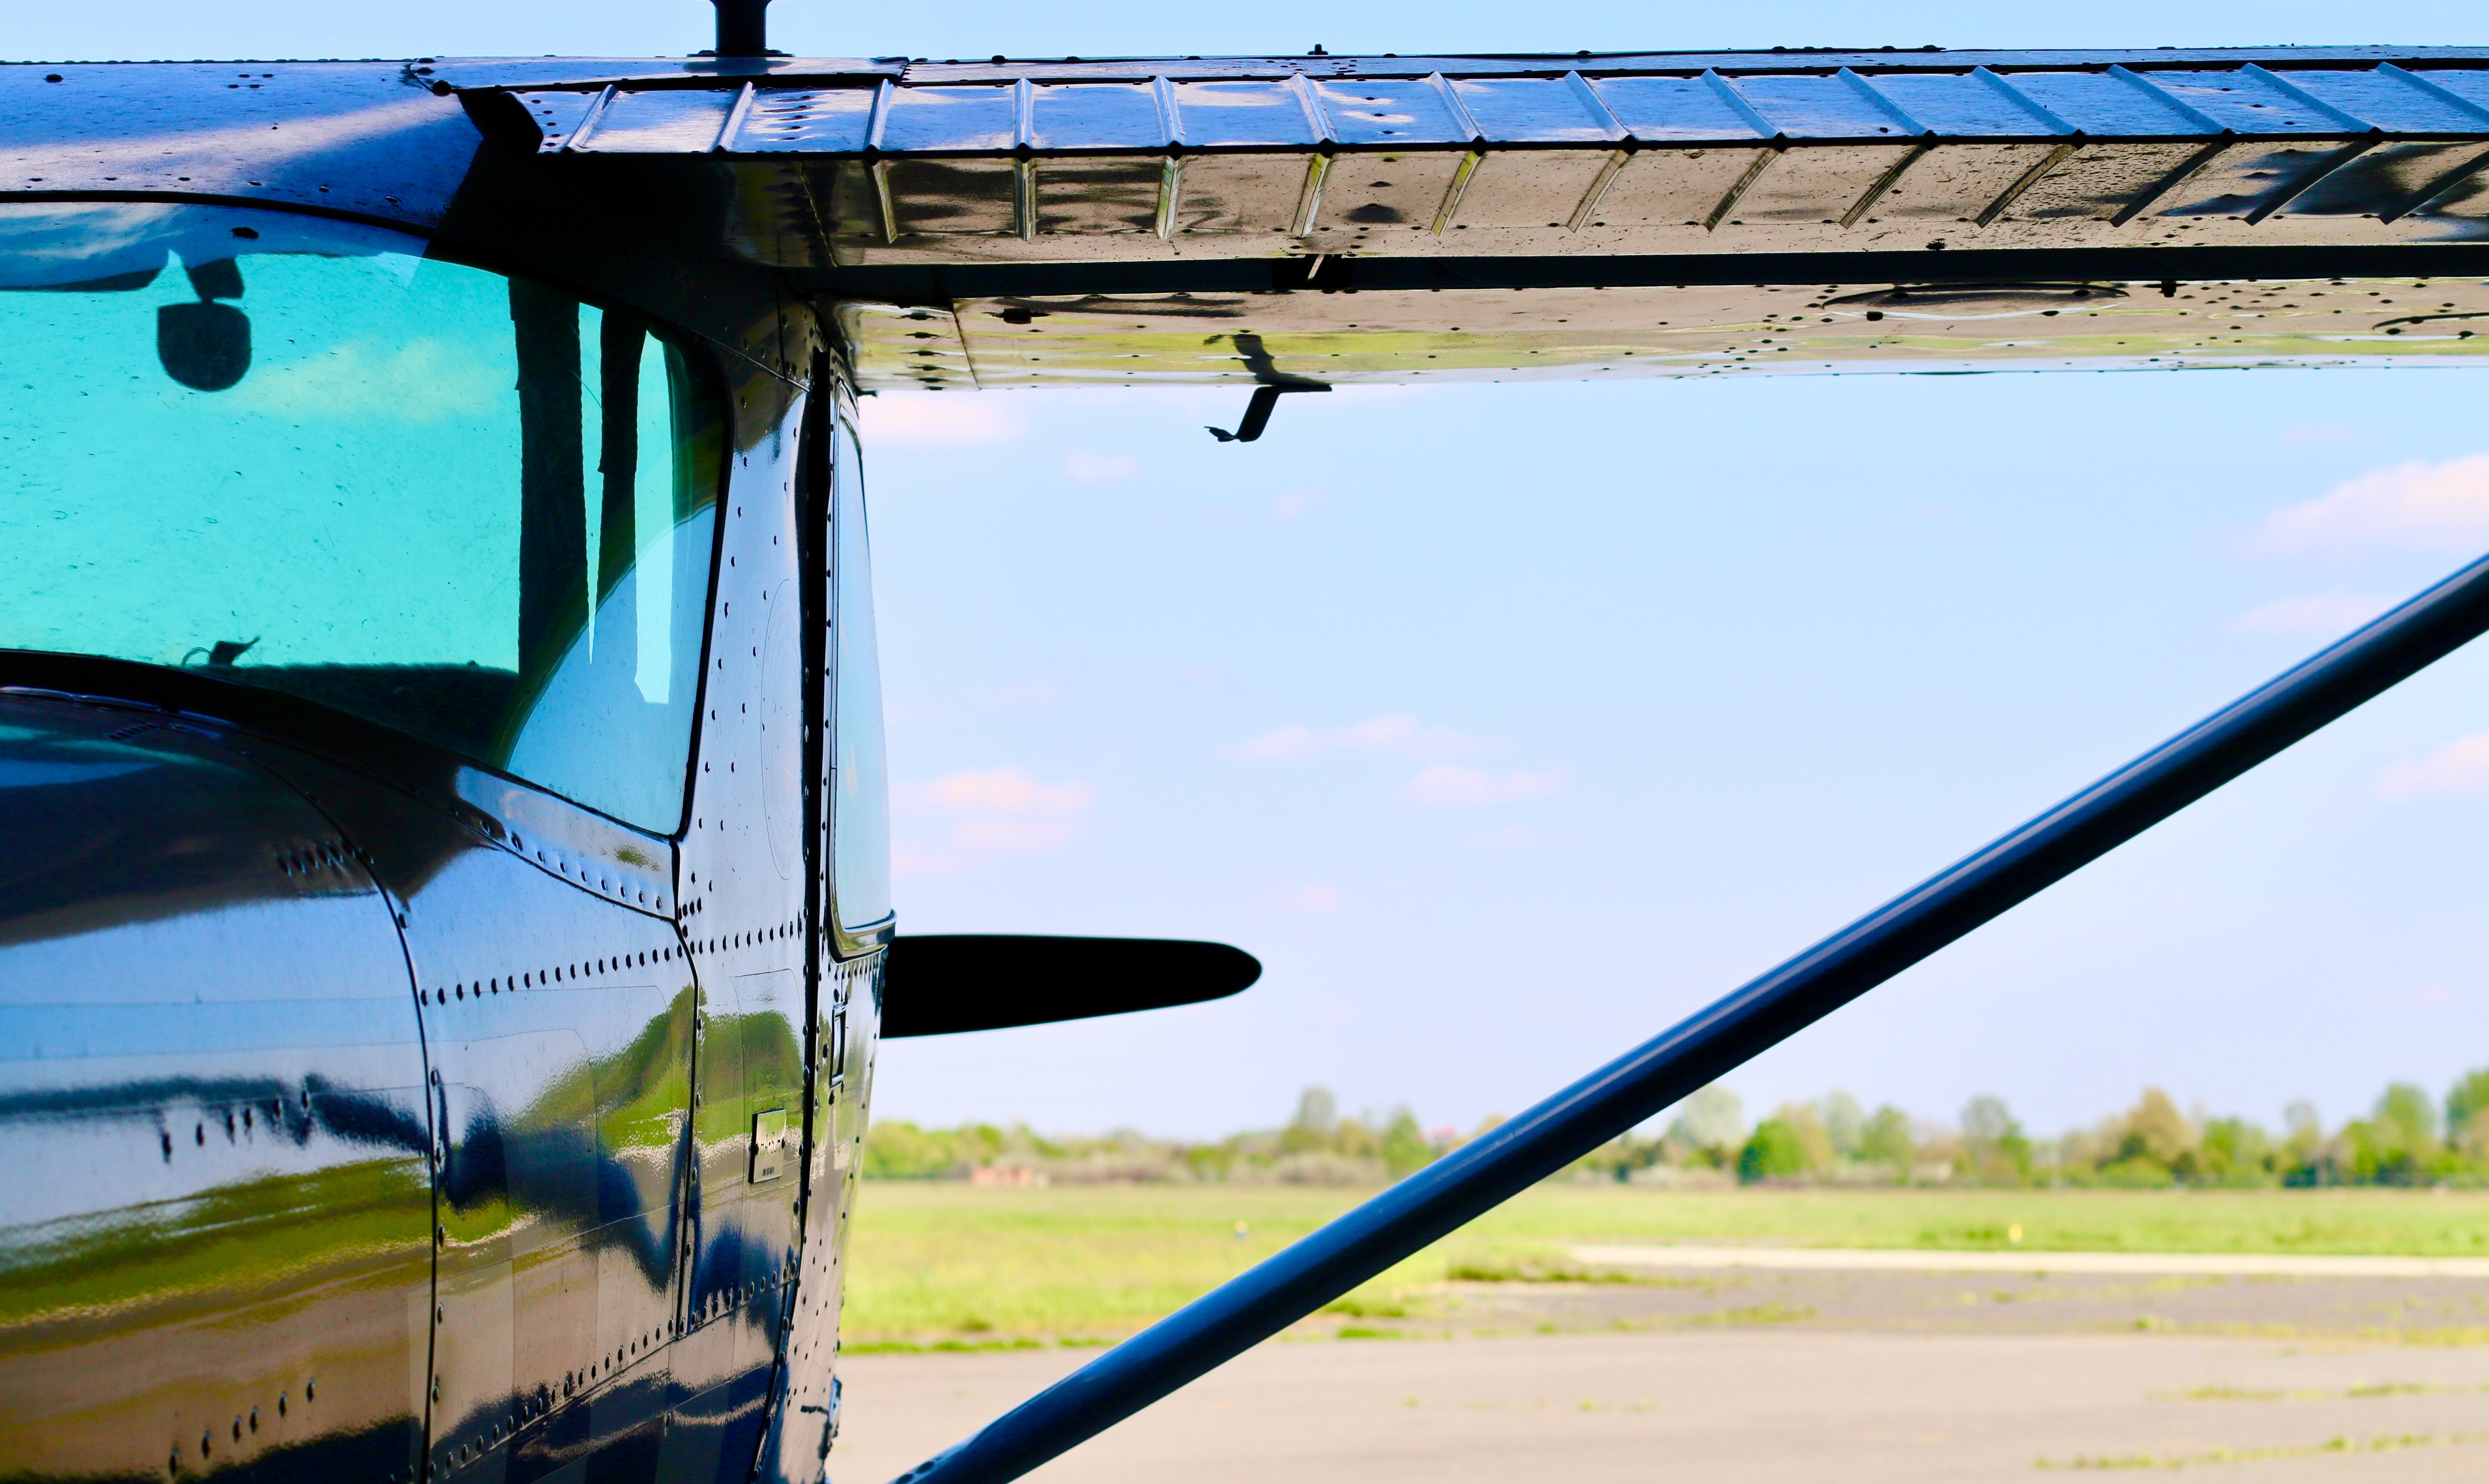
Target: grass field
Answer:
pixel 951 1265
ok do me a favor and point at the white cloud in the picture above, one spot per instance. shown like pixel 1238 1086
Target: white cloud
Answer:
pixel 1451 786
pixel 2417 506
pixel 1512 836
pixel 1013 837
pixel 939 418
pixel 1285 744
pixel 989 812
pixel 2460 769
pixel 1310 899
pixel 1387 736
pixel 2325 614
pixel 1005 790
pixel 1100 467
pixel 2308 432
pixel 916 864
pixel 421 381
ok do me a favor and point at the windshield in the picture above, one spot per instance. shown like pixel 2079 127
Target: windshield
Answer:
pixel 298 454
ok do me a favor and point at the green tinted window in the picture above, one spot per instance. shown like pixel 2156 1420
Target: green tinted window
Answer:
pixel 298 454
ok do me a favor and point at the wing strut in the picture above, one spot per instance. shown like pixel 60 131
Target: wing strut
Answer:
pixel 1466 1183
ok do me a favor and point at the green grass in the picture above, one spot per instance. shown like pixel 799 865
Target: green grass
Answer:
pixel 932 1263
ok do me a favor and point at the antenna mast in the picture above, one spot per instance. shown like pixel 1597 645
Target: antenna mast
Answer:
pixel 742 28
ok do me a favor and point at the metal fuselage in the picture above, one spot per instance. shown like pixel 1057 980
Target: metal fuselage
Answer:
pixel 366 1113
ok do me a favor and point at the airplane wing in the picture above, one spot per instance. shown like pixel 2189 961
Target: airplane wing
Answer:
pixel 1353 219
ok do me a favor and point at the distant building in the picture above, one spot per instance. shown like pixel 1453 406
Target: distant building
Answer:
pixel 1006 1175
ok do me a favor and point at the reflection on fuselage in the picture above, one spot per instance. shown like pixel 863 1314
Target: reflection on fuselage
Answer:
pixel 341 1140
pixel 214 1206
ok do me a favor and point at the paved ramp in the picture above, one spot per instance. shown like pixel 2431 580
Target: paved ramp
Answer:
pixel 1788 1407
pixel 2138 1264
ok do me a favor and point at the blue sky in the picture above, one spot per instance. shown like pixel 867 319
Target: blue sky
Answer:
pixel 1508 724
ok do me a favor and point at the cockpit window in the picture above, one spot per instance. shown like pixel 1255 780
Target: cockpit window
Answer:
pixel 298 454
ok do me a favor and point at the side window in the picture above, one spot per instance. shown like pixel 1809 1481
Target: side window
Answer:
pixel 617 514
pixel 860 796
pixel 309 457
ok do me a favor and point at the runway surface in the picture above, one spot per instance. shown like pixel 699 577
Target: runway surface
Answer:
pixel 1729 1409
pixel 1773 1377
pixel 1907 1260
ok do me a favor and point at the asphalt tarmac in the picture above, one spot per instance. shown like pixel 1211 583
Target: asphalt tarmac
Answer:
pixel 1765 1378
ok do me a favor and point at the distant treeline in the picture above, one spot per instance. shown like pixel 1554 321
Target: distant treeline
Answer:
pixel 1318 1147
pixel 2410 1138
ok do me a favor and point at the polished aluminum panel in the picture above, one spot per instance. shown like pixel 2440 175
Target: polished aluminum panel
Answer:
pixel 845 1036
pixel 2257 149
pixel 1555 110
pixel 1097 115
pixel 746 876
pixel 1840 106
pixel 558 1025
pixel 1398 337
pixel 1664 110
pixel 327 136
pixel 1233 115
pixel 560 1036
pixel 666 122
pixel 823 121
pixel 214 1205
pixel 1973 103
pixel 1395 112
pixel 945 120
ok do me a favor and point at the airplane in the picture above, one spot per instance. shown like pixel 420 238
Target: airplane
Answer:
pixel 445 922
